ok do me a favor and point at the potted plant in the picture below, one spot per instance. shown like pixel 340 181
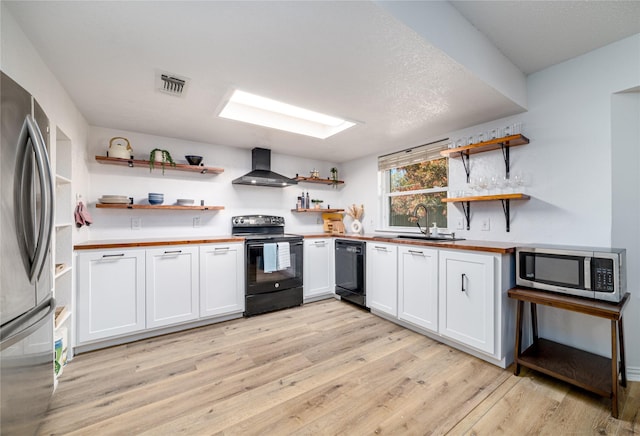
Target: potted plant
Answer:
pixel 162 156
pixel 334 176
pixel 317 203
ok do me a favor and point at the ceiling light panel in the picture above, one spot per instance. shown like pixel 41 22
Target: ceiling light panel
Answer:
pixel 254 109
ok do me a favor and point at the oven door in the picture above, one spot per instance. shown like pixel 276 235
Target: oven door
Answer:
pixel 258 281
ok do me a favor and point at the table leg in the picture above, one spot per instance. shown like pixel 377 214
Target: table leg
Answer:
pixel 614 370
pixel 519 311
pixel 623 366
pixel 534 321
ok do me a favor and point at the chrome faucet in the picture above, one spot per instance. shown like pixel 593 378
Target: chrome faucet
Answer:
pixel 426 216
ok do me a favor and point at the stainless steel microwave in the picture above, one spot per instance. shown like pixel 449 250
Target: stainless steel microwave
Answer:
pixel 597 273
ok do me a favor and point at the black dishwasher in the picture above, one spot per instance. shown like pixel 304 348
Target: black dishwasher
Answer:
pixel 350 272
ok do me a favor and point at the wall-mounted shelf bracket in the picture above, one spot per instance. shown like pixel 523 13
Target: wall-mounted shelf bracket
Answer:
pixel 505 208
pixel 505 155
pixel 464 156
pixel 466 209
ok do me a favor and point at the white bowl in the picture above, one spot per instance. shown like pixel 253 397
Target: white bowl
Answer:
pixel 185 202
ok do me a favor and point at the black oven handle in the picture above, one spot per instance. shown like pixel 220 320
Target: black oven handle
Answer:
pixel 261 244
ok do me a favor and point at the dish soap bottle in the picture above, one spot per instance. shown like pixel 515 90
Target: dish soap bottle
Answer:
pixel 307 203
pixel 434 229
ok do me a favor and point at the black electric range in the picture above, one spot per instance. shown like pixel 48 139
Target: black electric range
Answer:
pixel 273 263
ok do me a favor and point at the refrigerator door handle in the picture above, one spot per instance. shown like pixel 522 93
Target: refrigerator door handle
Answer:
pixel 8 333
pixel 35 262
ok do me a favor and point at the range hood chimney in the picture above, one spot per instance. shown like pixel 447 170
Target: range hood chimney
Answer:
pixel 261 174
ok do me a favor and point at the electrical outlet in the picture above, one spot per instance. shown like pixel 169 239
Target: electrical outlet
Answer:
pixel 460 224
pixel 485 225
pixel 136 223
pixel 196 222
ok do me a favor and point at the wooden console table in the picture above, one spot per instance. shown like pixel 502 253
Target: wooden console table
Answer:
pixel 589 371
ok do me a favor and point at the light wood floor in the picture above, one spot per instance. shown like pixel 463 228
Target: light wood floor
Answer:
pixel 322 369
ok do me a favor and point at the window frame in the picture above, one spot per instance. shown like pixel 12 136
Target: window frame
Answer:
pixel 384 179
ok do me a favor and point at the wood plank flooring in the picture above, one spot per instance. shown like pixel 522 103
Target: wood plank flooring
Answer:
pixel 322 369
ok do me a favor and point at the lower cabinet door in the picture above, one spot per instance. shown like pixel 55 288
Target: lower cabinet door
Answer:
pixel 467 299
pixel 418 286
pixel 318 267
pixel 382 275
pixel 221 279
pixel 172 285
pixel 110 293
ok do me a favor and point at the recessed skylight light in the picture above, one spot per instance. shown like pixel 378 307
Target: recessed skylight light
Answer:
pixel 262 111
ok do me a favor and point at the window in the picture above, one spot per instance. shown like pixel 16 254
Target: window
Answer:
pixel 410 178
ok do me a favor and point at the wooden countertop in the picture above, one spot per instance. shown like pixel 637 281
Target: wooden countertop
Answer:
pixel 153 242
pixel 468 245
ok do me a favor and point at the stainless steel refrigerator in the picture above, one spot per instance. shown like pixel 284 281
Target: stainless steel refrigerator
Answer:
pixel 26 226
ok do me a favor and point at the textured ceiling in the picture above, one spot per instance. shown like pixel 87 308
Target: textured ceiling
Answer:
pixel 537 34
pixel 347 59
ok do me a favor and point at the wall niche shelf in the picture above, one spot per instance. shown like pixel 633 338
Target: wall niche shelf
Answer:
pixel 145 164
pixel 504 198
pixel 318 180
pixel 156 207
pixel 318 210
pixel 494 144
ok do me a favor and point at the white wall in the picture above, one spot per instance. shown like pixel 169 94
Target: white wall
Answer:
pixel 569 166
pixel 625 122
pixel 22 63
pixel 213 189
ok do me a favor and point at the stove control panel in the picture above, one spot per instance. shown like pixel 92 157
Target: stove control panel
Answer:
pixel 257 221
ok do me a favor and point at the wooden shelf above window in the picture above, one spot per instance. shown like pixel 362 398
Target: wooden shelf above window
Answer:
pixel 481 147
pixel 157 207
pixel 145 164
pixel 318 180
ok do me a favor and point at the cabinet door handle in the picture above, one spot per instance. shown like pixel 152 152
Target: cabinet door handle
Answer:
pixel 462 277
pixel 320 243
pixel 113 255
pixel 377 247
pixel 421 253
pixel 221 249
pixel 173 252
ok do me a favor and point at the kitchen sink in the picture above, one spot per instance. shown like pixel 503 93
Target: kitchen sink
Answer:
pixel 429 238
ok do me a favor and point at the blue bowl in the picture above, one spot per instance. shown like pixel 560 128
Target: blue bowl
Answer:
pixel 155 198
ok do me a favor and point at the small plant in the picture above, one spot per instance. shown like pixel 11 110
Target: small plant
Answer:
pixel 317 203
pixel 334 176
pixel 166 159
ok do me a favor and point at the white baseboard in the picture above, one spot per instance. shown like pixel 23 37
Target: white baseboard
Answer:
pixel 633 373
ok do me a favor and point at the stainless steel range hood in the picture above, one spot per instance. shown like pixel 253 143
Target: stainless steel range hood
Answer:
pixel 261 174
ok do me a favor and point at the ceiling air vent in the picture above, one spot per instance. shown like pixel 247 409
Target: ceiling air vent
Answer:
pixel 171 84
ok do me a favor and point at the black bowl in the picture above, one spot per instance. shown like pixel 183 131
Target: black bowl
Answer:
pixel 193 160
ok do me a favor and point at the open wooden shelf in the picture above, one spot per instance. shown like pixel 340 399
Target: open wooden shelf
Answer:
pixel 517 196
pixel 319 210
pixel 580 368
pixel 145 164
pixel 153 206
pixel 481 147
pixel 318 180
pixel 504 198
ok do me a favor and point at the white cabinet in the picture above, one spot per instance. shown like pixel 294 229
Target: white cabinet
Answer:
pixel 172 285
pixel 467 298
pixel 221 279
pixel 318 268
pixel 382 277
pixel 418 286
pixel 110 293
